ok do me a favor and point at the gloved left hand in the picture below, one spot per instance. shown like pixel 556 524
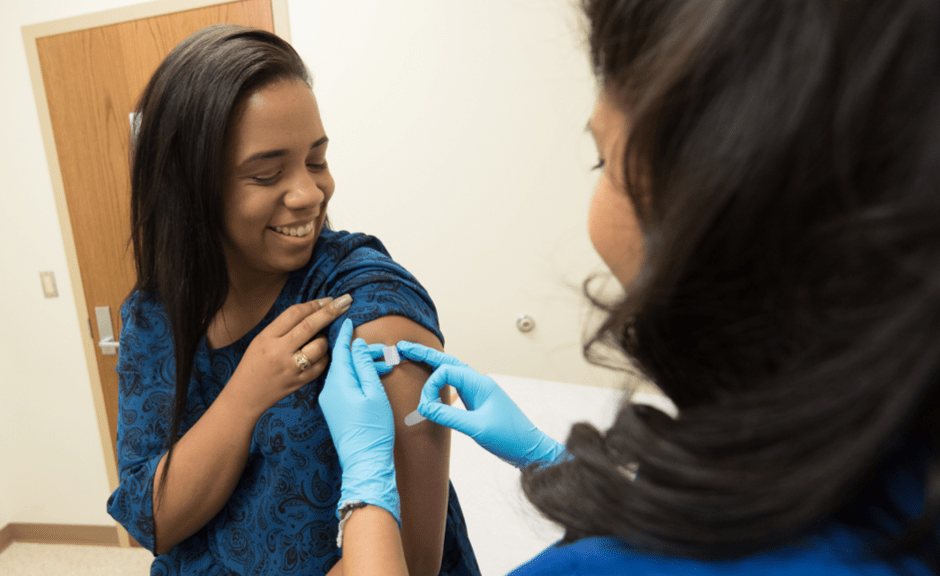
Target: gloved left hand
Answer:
pixel 360 419
pixel 491 418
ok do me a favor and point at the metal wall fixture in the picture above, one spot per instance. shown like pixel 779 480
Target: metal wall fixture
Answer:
pixel 525 323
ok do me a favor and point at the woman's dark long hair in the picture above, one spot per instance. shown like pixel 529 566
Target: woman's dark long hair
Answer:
pixel 784 159
pixel 177 178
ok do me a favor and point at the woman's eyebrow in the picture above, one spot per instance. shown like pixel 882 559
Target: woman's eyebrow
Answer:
pixel 265 155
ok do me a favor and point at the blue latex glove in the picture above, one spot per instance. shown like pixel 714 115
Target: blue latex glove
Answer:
pixel 360 420
pixel 492 419
pixel 377 352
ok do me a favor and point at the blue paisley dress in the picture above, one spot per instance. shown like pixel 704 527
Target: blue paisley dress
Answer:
pixel 281 518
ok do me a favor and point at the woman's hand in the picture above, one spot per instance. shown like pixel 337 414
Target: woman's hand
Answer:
pixel 286 355
pixel 210 458
pixel 492 419
pixel 360 419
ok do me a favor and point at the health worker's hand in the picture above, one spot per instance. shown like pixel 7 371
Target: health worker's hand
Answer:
pixel 360 420
pixel 492 419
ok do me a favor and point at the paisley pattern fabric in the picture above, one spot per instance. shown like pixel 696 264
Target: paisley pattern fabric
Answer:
pixel 281 518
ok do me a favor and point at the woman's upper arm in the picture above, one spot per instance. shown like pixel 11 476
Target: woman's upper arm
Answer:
pixel 422 451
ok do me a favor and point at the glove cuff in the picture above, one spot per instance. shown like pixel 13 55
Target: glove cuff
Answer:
pixel 379 491
pixel 545 453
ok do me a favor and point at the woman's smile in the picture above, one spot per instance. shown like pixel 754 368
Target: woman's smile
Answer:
pixel 299 231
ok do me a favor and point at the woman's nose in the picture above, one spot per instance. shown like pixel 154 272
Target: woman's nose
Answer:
pixel 304 192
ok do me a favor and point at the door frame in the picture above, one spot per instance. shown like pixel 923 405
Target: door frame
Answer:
pixel 31 33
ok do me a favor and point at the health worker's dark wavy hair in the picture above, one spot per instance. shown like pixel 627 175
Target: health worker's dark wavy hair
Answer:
pixel 177 178
pixel 784 158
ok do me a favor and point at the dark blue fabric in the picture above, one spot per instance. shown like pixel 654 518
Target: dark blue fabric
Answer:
pixel 281 518
pixel 840 548
pixel 834 552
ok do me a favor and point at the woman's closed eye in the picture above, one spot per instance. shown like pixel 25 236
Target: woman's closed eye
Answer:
pixel 266 180
pixel 317 165
pixel 599 165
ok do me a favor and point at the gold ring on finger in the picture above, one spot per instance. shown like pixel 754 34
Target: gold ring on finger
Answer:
pixel 302 361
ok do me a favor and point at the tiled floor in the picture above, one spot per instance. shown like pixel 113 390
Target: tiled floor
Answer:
pixel 22 559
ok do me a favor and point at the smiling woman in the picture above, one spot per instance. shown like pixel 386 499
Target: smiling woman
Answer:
pixel 226 464
pixel 278 184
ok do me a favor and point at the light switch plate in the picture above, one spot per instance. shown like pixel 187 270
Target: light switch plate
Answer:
pixel 49 289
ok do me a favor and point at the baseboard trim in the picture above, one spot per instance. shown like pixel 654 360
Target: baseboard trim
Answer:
pixel 6 537
pixel 59 534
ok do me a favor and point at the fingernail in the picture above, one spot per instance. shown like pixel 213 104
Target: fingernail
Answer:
pixel 324 301
pixel 342 303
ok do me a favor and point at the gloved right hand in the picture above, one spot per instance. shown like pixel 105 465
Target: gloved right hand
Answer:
pixel 360 420
pixel 492 419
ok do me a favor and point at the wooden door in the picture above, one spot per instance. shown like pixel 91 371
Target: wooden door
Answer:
pixel 91 78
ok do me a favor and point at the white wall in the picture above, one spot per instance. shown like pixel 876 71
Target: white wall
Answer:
pixel 445 109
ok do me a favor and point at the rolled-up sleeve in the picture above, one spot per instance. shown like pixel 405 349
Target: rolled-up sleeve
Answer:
pixel 379 287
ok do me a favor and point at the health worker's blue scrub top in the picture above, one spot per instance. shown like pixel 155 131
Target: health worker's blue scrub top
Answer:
pixel 837 553
pixel 838 548
pixel 281 518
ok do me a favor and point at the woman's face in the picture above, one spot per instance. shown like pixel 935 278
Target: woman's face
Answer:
pixel 612 222
pixel 278 182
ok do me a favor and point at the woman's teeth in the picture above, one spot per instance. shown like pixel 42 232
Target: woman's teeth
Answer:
pixel 301 231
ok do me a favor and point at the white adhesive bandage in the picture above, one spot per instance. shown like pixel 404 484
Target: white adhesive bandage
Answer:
pixel 391 356
pixel 414 418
